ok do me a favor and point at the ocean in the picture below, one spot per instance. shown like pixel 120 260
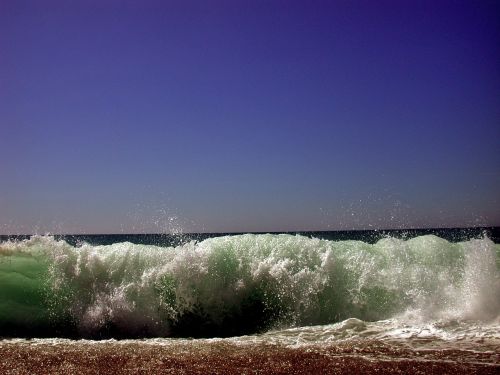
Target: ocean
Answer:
pixel 310 302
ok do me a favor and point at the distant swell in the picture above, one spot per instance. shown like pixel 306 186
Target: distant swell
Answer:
pixel 239 284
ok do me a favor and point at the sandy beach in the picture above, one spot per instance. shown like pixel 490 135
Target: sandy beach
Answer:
pixel 221 357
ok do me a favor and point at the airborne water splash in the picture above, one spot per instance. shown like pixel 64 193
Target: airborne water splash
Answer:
pixel 240 284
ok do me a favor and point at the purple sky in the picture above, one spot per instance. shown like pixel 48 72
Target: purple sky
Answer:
pixel 151 116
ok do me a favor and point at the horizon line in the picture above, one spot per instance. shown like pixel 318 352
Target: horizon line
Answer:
pixel 257 232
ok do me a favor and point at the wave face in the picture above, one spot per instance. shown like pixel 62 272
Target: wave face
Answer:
pixel 240 284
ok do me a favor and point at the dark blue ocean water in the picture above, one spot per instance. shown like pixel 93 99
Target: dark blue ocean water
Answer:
pixel 368 236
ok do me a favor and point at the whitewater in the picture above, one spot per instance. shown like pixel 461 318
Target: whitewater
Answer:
pixel 247 291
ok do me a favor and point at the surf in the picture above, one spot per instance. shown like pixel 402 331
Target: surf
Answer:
pixel 240 284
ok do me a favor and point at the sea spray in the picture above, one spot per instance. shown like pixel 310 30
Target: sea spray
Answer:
pixel 239 284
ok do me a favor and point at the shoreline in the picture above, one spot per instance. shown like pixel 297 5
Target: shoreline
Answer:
pixel 222 357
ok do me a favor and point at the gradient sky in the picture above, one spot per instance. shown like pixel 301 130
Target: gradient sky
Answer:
pixel 152 116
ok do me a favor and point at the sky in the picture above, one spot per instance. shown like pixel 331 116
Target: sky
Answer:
pixel 238 116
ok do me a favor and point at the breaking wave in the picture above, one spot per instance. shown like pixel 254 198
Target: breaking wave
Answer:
pixel 240 284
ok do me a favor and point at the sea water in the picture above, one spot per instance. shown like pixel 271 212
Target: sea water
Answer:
pixel 291 289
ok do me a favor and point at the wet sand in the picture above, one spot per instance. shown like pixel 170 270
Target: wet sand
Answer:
pixel 222 357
